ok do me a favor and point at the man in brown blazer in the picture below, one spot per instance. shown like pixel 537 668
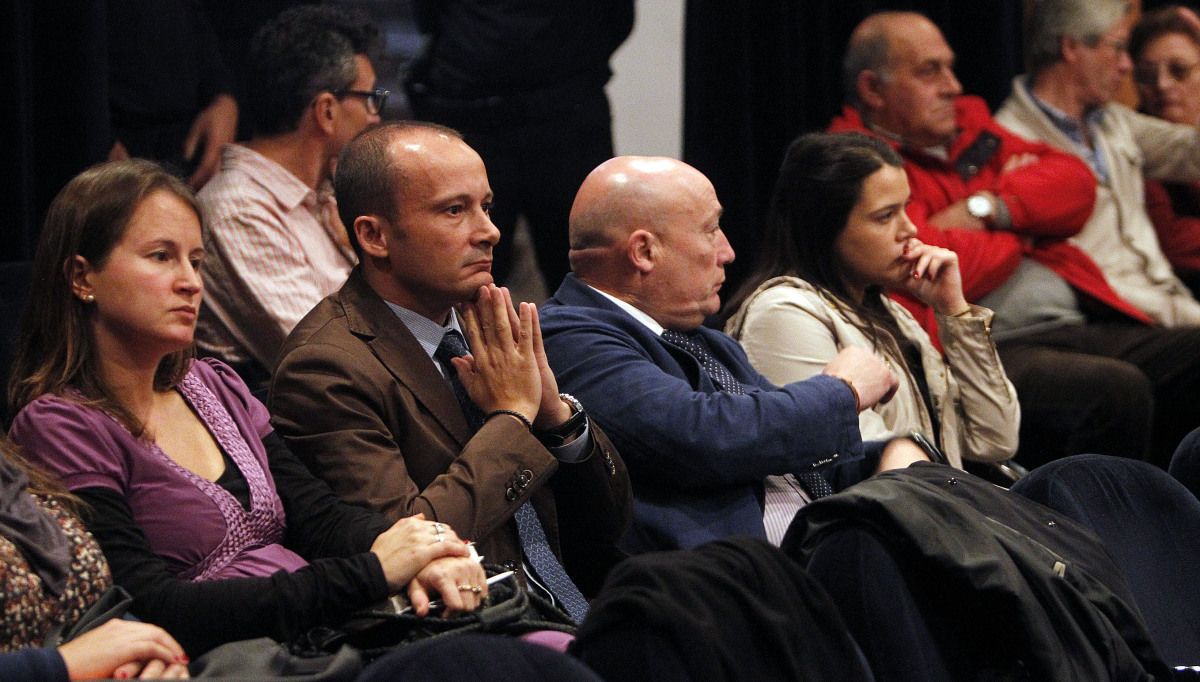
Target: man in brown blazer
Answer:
pixel 365 391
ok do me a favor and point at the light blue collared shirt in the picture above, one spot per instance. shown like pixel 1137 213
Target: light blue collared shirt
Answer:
pixel 429 335
pixel 1079 135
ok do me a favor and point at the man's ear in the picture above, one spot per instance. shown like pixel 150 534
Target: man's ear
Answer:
pixel 1069 49
pixel 323 111
pixel 642 247
pixel 79 273
pixel 870 89
pixel 372 235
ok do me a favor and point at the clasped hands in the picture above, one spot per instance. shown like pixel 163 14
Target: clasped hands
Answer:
pixel 429 557
pixel 507 368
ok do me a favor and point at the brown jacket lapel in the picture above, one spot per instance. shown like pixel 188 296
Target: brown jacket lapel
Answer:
pixel 398 351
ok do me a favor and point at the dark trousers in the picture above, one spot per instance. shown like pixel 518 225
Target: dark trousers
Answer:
pixel 1112 388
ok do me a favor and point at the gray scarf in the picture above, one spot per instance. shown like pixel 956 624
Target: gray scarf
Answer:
pixel 38 537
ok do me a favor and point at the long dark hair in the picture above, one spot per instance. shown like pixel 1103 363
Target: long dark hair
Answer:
pixel 819 184
pixel 57 348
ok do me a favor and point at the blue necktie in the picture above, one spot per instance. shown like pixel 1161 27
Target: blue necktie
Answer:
pixel 534 542
pixel 693 344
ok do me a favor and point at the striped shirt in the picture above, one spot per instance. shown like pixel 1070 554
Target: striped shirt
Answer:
pixel 275 249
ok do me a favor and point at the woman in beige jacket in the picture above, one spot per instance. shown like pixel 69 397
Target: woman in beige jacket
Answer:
pixel 837 236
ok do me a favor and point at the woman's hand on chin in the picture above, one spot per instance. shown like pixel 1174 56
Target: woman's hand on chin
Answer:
pixel 935 278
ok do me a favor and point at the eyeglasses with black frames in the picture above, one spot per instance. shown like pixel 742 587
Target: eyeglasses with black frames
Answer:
pixel 375 99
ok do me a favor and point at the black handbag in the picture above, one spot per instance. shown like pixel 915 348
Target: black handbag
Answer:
pixel 509 609
pixel 265 660
pixel 114 603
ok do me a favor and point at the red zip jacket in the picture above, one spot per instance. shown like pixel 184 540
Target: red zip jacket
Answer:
pixel 1049 201
pixel 1178 226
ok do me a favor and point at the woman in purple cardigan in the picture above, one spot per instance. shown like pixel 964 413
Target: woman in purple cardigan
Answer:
pixel 217 531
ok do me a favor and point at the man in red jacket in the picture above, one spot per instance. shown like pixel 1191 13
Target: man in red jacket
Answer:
pixel 1091 371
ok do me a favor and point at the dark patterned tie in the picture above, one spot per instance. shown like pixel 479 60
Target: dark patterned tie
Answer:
pixel 534 542
pixel 698 349
pixel 454 346
pixel 813 482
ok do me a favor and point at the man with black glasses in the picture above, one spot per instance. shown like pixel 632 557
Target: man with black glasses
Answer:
pixel 275 244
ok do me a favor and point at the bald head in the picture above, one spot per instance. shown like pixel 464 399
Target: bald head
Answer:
pixel 899 73
pixel 626 194
pixel 647 230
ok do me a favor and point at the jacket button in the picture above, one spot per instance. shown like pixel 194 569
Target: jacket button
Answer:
pixel 510 495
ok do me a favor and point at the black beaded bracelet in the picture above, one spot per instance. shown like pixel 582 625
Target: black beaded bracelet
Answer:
pixel 512 413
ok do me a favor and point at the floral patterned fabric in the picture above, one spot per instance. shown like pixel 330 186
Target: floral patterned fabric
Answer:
pixel 28 609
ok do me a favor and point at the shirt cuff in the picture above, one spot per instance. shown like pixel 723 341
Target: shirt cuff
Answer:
pixel 577 450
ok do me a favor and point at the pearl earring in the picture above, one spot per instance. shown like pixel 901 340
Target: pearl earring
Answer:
pixel 89 298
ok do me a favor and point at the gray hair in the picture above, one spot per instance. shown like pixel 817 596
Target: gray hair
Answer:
pixel 1051 20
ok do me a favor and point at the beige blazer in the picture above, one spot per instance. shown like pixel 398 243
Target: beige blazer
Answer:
pixel 790 331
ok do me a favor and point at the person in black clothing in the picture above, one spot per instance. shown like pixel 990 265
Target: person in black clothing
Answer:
pixel 168 88
pixel 524 84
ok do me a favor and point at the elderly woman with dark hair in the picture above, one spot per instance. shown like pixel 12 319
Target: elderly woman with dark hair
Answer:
pixel 837 240
pixel 1165 46
pixel 217 531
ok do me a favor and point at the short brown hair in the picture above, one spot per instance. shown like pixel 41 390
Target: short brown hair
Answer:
pixel 367 180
